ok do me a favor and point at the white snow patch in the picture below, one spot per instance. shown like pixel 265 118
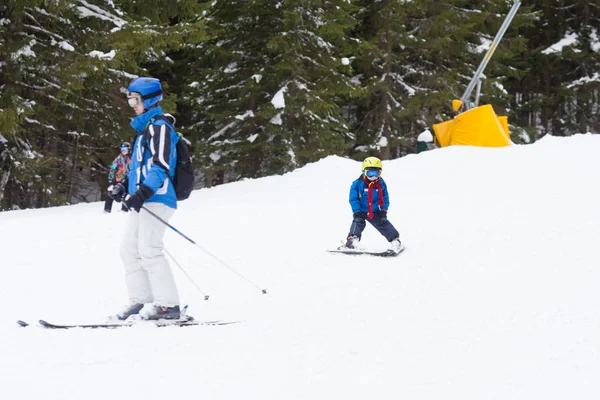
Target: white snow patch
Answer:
pixel 63 44
pixel 500 86
pixel 123 73
pixel 357 79
pixel 25 51
pixel 595 41
pixel 569 40
pixel 484 46
pixel 90 10
pixel 221 131
pixel 276 120
pixel 585 80
pixel 103 56
pixel 425 136
pixel 278 100
pixel 231 68
pixel 245 115
pixel 215 156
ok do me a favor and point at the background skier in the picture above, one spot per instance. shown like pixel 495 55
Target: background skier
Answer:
pixel 117 172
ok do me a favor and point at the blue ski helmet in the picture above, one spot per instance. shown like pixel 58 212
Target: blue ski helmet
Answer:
pixel 150 90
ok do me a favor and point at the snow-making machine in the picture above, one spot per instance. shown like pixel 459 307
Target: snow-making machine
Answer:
pixel 476 125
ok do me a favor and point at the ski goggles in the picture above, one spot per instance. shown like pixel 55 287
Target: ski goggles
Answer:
pixel 124 148
pixel 134 99
pixel 373 173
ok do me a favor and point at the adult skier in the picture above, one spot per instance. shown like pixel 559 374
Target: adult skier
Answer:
pixel 150 283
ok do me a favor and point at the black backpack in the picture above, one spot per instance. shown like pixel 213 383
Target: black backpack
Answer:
pixel 183 181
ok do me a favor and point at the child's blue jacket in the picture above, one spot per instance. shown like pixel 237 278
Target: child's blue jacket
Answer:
pixel 359 199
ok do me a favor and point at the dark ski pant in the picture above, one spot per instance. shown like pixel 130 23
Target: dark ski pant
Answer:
pixel 379 222
pixel 108 205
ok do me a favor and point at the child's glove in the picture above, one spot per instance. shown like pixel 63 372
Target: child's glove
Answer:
pixel 359 215
pixel 381 216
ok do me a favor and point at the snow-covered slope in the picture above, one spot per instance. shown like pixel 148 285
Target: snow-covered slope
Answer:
pixel 496 297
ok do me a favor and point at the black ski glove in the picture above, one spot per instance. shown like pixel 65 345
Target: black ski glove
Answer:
pixel 138 198
pixel 118 192
pixel 381 216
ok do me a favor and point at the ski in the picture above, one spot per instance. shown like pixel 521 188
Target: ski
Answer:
pixel 114 325
pixel 356 252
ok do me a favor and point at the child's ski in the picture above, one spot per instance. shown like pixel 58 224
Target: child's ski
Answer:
pixel 113 325
pixel 357 252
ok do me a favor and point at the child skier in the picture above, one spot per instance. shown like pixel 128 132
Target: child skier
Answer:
pixel 370 201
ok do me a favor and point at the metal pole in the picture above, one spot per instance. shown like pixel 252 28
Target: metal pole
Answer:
pixel 477 92
pixel 490 52
pixel 186 274
pixel 223 263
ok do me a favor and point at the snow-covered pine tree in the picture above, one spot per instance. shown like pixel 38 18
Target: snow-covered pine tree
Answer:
pixel 55 101
pixel 64 69
pixel 559 94
pixel 423 54
pixel 274 79
pixel 384 69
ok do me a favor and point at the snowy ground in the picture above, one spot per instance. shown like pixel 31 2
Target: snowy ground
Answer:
pixel 496 297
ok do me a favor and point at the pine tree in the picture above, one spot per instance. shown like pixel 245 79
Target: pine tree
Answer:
pixel 385 73
pixel 559 95
pixel 273 81
pixel 65 68
pixel 263 87
pixel 423 55
pixel 54 102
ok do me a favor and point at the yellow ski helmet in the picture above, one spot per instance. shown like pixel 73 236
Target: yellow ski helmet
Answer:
pixel 372 162
pixel 372 168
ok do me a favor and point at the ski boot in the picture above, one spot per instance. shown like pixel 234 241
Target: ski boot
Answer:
pixel 396 245
pixel 153 311
pixel 351 243
pixel 131 308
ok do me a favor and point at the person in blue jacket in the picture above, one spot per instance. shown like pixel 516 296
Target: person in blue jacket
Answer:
pixel 370 201
pixel 148 276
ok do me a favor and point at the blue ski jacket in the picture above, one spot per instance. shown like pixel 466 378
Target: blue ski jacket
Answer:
pixel 359 196
pixel 154 157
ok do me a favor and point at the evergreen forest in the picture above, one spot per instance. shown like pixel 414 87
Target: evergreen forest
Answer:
pixel 261 87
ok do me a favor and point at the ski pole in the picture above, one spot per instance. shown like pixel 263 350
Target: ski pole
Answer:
pixel 264 291
pixel 186 274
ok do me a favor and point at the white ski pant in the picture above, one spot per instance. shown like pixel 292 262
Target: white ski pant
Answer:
pixel 148 276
